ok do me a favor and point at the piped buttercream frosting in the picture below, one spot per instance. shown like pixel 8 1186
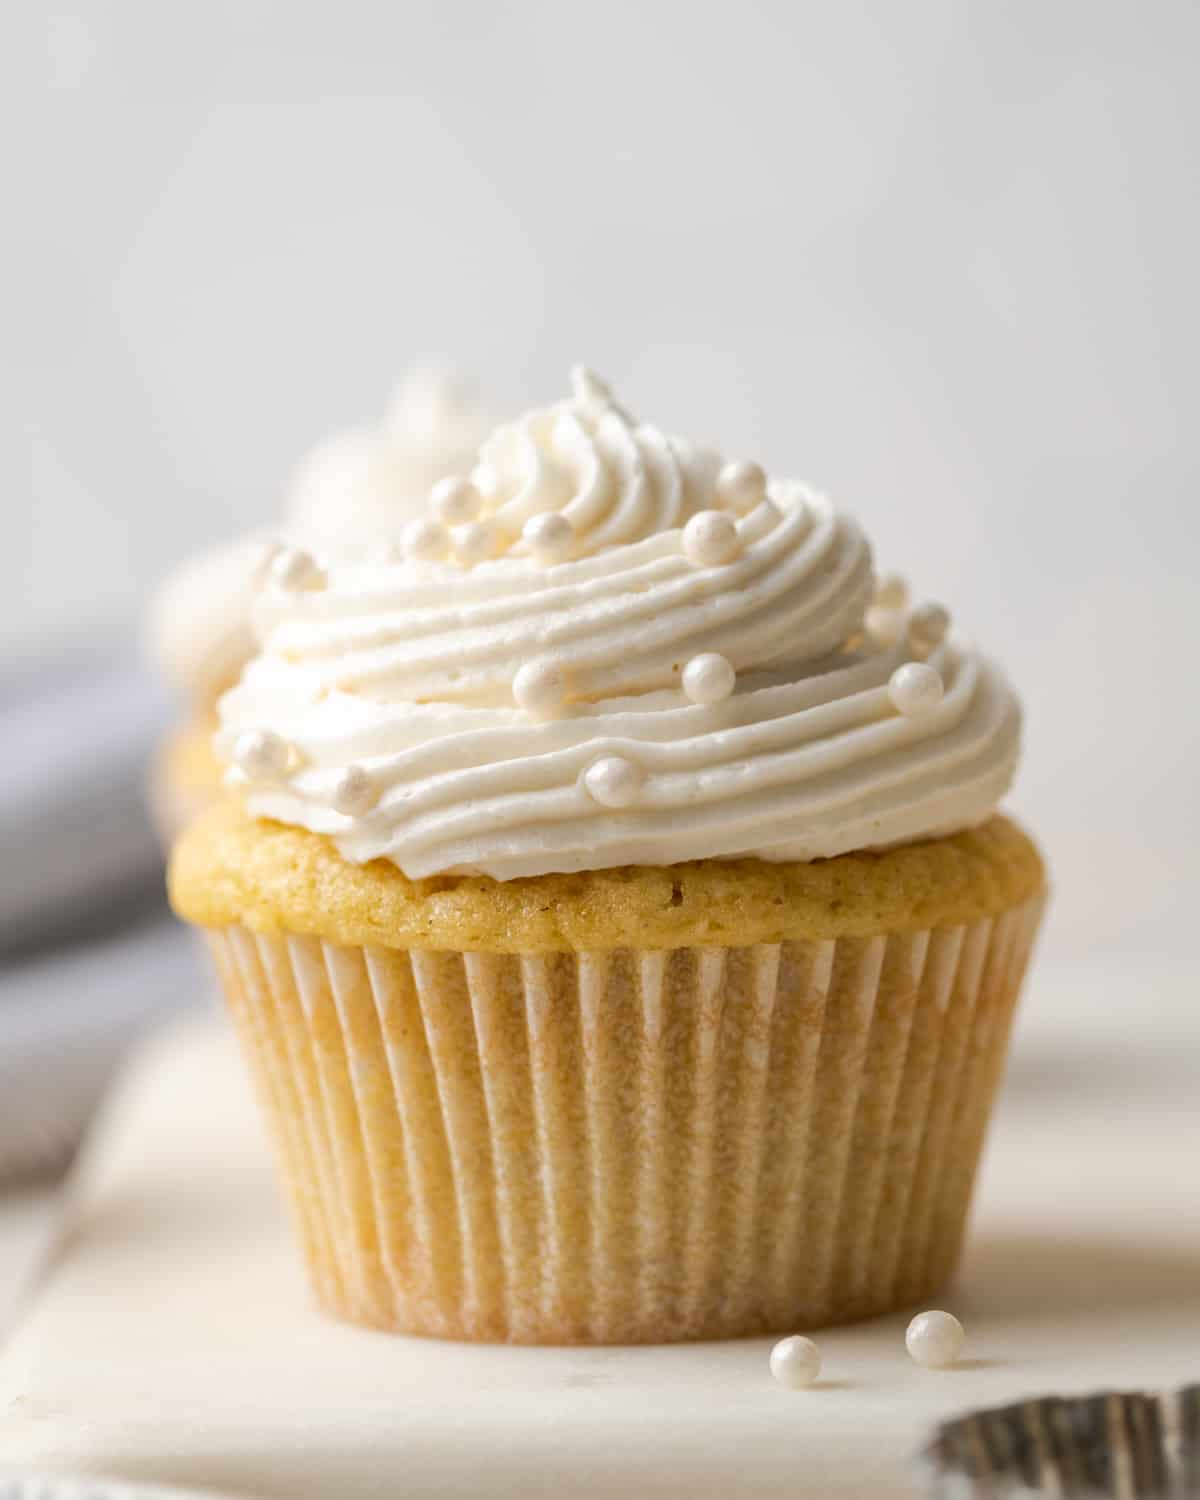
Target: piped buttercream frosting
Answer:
pixel 644 656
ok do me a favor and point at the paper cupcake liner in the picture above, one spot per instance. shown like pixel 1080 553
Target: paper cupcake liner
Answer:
pixel 629 1146
pixel 1121 1444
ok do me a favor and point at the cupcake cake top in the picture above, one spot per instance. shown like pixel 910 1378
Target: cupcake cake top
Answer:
pixel 605 646
pixel 357 487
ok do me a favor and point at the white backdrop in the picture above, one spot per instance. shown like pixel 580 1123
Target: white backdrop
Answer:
pixel 937 257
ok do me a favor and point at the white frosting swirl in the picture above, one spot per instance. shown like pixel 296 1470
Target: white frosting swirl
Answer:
pixel 615 481
pixel 355 489
pixel 515 717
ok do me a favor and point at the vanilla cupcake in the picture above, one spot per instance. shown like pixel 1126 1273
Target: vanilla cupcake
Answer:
pixel 358 488
pixel 613 903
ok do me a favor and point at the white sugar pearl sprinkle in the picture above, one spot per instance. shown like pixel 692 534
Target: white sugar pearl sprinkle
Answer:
pixel 550 536
pixel 708 678
pixel 261 754
pixel 455 500
pixel 613 781
pixel 710 538
pixel 795 1362
pixel 891 592
pixel 916 689
pixel 475 542
pixel 296 570
pixel 927 627
pixel 355 792
pixel 539 687
pixel 935 1340
pixel 424 540
pixel 742 485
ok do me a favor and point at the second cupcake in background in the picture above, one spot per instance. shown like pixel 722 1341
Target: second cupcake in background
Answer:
pixel 356 489
pixel 614 907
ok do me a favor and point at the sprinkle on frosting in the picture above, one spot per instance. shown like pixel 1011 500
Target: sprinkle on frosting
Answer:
pixel 540 687
pixel 550 537
pixel 613 781
pixel 916 689
pixel 742 486
pixel 261 755
pixel 474 542
pixel 710 538
pixel 355 792
pixel 629 653
pixel 456 500
pixel 709 678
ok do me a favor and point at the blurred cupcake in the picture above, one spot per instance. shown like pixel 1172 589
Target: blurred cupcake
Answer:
pixel 621 929
pixel 357 488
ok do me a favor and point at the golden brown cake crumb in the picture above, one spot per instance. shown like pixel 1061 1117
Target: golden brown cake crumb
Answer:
pixel 230 867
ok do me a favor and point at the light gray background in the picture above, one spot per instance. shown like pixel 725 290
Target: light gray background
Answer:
pixel 939 258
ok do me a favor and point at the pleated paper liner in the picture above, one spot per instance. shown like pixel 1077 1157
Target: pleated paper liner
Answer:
pixel 629 1146
pixel 1131 1445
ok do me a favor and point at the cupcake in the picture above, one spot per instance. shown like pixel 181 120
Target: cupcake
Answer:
pixel 356 488
pixel 613 904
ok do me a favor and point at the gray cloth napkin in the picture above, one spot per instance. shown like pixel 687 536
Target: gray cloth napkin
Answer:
pixel 87 950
